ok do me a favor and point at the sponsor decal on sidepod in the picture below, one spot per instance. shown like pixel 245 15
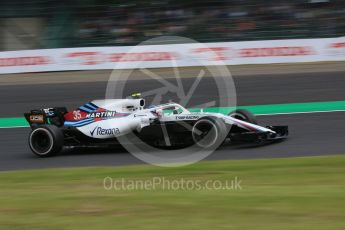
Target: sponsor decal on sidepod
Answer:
pixel 102 132
pixel 101 114
pixel 187 117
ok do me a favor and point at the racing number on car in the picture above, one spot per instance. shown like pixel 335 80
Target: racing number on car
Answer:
pixel 76 115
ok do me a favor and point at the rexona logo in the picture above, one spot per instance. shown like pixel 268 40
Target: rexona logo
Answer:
pixel 99 131
pixel 101 114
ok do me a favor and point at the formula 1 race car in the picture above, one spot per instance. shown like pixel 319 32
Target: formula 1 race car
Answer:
pixel 101 123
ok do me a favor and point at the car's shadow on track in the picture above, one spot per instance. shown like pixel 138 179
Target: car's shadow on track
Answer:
pixel 252 145
pixel 92 151
pixel 119 150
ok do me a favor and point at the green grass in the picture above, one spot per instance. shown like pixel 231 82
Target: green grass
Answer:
pixel 291 194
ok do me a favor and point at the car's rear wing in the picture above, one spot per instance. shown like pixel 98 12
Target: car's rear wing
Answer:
pixel 54 116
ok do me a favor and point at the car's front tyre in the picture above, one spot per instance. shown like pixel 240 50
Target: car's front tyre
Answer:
pixel 46 140
pixel 209 132
pixel 244 115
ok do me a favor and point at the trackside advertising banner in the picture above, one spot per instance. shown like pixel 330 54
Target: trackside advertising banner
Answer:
pixel 155 56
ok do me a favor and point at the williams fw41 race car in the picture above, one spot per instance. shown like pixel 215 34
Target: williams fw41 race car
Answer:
pixel 101 123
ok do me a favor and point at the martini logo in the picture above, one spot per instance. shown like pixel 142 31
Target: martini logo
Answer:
pixel 101 114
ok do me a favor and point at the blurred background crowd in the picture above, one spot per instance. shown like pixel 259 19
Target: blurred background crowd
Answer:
pixel 35 24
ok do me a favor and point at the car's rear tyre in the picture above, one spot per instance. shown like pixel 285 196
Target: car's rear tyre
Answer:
pixel 243 115
pixel 46 140
pixel 209 132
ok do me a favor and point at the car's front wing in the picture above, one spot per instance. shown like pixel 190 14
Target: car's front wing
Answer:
pixel 280 132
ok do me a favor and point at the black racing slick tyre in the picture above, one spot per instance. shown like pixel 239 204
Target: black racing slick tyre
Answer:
pixel 46 140
pixel 209 132
pixel 243 115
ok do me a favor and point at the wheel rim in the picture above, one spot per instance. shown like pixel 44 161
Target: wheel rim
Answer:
pixel 205 133
pixel 41 141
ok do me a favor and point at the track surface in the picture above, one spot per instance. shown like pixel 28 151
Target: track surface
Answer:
pixel 311 134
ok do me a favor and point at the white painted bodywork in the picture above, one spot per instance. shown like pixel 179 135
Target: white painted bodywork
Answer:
pixel 131 116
